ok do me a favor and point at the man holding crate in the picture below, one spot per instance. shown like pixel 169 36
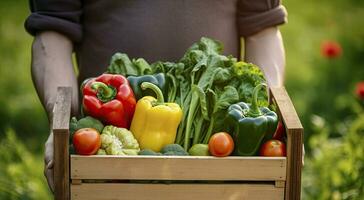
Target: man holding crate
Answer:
pixel 154 30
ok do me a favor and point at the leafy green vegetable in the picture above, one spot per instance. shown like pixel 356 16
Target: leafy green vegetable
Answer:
pixel 204 83
pixel 208 71
pixel 121 64
pixel 222 100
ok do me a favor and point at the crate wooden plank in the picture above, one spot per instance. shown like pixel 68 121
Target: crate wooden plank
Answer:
pixel 178 168
pixel 61 116
pixel 128 191
pixel 294 132
pixel 286 108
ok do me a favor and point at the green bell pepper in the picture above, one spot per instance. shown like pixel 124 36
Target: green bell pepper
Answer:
pixel 250 124
pixel 157 79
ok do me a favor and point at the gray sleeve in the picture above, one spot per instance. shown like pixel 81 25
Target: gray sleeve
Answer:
pixel 62 16
pixel 256 15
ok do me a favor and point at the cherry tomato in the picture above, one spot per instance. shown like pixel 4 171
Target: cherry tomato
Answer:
pixel 221 144
pixel 86 141
pixel 274 148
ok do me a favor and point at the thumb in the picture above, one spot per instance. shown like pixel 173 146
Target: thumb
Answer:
pixel 50 164
pixel 50 179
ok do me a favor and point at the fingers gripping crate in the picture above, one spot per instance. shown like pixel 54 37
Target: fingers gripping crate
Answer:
pixel 174 177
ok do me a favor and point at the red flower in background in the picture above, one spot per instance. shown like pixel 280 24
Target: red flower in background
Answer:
pixel 360 90
pixel 330 49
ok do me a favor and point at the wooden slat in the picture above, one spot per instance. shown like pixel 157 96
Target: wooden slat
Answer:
pixel 61 116
pixel 294 132
pixel 118 191
pixel 178 168
pixel 286 108
pixel 295 163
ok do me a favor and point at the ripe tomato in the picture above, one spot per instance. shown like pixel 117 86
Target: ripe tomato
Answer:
pixel 274 148
pixel 86 141
pixel 221 144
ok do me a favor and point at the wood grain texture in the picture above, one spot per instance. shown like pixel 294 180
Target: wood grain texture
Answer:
pixel 286 108
pixel 129 191
pixel 294 132
pixel 280 184
pixel 61 116
pixel 178 168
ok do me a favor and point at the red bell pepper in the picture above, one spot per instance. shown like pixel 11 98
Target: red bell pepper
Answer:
pixel 109 98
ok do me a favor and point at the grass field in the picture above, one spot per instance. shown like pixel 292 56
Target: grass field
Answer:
pixel 23 124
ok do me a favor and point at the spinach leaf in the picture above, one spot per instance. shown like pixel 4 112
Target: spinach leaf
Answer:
pixel 202 99
pixel 221 101
pixel 142 66
pixel 121 64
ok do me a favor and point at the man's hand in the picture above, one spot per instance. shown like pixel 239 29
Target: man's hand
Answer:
pixel 51 68
pixel 48 161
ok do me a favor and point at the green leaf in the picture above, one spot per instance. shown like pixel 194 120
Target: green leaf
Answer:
pixel 142 66
pixel 223 75
pixel 202 99
pixel 225 98
pixel 210 46
pixel 172 90
pixel 121 64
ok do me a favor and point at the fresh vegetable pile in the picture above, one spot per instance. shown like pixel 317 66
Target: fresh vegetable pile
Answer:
pixel 169 108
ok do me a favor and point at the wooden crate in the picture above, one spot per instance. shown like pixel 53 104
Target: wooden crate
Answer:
pixel 173 177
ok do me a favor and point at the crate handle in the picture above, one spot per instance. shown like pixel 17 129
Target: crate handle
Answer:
pixel 60 127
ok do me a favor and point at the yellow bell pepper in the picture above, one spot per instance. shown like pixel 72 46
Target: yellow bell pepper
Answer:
pixel 155 123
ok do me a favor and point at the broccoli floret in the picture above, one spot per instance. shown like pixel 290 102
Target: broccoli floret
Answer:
pixel 73 125
pixel 149 152
pixel 173 150
pixel 168 150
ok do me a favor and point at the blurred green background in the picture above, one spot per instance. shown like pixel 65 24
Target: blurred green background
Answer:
pixel 321 88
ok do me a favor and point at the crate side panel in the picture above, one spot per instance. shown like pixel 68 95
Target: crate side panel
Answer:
pixel 130 191
pixel 178 168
